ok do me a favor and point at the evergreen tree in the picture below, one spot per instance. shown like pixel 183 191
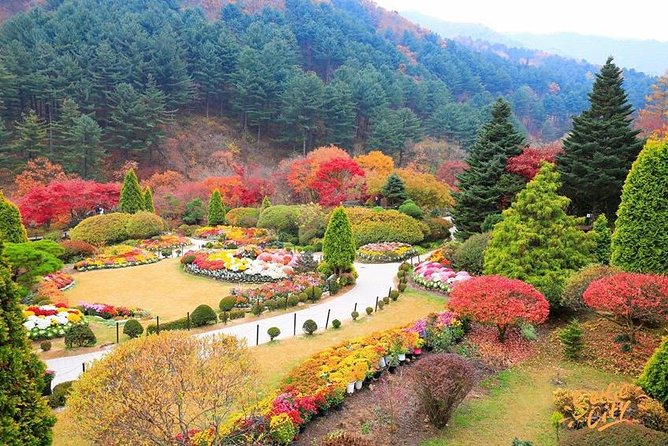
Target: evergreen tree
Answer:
pixel 640 240
pixel 601 147
pixel 338 245
pixel 84 152
pixel 394 190
pixel 485 187
pixel 5 145
pixel 339 115
pixel 216 214
pixel 654 378
pixel 601 236
pixel 126 120
pixel 11 226
pixel 194 212
pixel 155 116
pixel 132 198
pixel 148 200
pixel 536 241
pixel 24 417
pixel 265 203
pixel 31 133
pixel 301 105
pixel 63 152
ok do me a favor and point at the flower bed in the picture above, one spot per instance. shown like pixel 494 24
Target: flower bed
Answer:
pixel 233 266
pixel 118 256
pixel 386 252
pixel 61 279
pixel 269 291
pixel 437 277
pixel 50 321
pixel 164 242
pixel 110 311
pixel 234 234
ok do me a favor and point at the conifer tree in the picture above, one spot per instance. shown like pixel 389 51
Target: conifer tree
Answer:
pixel 601 236
pixel 654 378
pixel 485 186
pixel 132 198
pixel 265 203
pixel 599 150
pixel 640 240
pixel 31 137
pixel 394 190
pixel 63 153
pixel 11 226
pixel 338 245
pixel 536 241
pixel 24 417
pixel 83 152
pixel 216 214
pixel 148 200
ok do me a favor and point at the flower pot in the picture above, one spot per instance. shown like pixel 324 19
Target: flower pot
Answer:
pixel 382 363
pixel 358 384
pixel 351 388
pixel 402 356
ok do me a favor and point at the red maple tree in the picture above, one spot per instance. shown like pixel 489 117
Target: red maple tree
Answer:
pixel 528 162
pixel 339 180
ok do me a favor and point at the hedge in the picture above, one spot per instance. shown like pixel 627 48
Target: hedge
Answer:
pixel 371 226
pixel 102 229
pixel 143 225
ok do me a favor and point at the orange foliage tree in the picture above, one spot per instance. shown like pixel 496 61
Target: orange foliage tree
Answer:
pixel 424 189
pixel 38 172
pixel 166 180
pixel 377 167
pixel 302 172
pixel 653 119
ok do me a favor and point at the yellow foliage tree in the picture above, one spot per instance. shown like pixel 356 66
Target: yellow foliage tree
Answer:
pixel 653 119
pixel 150 390
pixel 377 166
pixel 425 189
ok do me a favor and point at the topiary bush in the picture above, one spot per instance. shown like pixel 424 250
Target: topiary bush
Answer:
pixel 441 382
pixel 203 315
pixel 381 304
pixel 293 300
pixel 79 335
pixel 280 218
pixel 578 283
pixel 627 434
pixel 394 295
pixel 313 293
pixel 273 333
pixel 470 254
pixel 309 326
pixel 654 378
pixel 243 217
pixel 59 395
pixel 102 229
pixel 133 328
pixel 227 303
pixel 143 225
pixel 45 346
pixel 178 324
pixel 336 324
pixel 411 209
pixel 401 287
pixel 369 310
pixel 439 229
pixel 371 226
pixel 75 250
pixel 355 315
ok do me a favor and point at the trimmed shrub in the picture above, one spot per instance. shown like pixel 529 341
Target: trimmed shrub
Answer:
pixel 439 229
pixel 411 209
pixel 369 310
pixel 441 382
pixel 627 434
pixel 313 293
pixel 237 314
pixel 381 304
pixel 312 222
pixel 11 226
pixel 143 225
pixel 355 315
pixel 309 326
pixel 132 198
pixel 336 324
pixel 470 254
pixel 243 217
pixel 338 246
pixel 203 315
pixel 654 378
pixel 578 283
pixel 76 250
pixel 224 316
pixel 45 346
pixel 227 303
pixel 371 226
pixel 402 287
pixel 133 328
pixel 293 300
pixel 216 209
pixel 178 324
pixel 59 395
pixel 394 295
pixel 79 335
pixel 273 333
pixel 280 218
pixel 102 229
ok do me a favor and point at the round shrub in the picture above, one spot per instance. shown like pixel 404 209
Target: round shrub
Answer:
pixel 273 333
pixel 293 300
pixel 102 229
pixel 354 315
pixel 411 209
pixel 243 217
pixel 336 324
pixel 76 250
pixel 79 335
pixel 281 218
pixel 369 310
pixel 386 300
pixel 469 255
pixel 45 346
pixel 381 304
pixel 401 287
pixel 313 293
pixel 302 297
pixel 439 229
pixel 309 326
pixel 227 303
pixel 203 315
pixel 59 395
pixel 143 225
pixel 441 382
pixel 394 295
pixel 578 283
pixel 654 378
pixel 627 434
pixel 133 328
pixel 371 226
pixel 224 316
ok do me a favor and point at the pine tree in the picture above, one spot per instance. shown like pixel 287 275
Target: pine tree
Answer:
pixel 83 151
pixel 601 236
pixel 394 190
pixel 216 214
pixel 132 198
pixel 640 240
pixel 339 115
pixel 485 187
pixel 536 241
pixel 338 246
pixel 24 417
pixel 11 226
pixel 63 152
pixel 31 137
pixel 599 150
pixel 148 200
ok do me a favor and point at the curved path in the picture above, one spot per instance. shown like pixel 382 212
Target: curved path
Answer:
pixel 374 280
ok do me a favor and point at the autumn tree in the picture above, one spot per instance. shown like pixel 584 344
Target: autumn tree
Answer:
pixel 38 172
pixel 653 119
pixel 449 170
pixel 499 301
pixel 216 215
pixel 599 150
pixel 338 245
pixel 132 198
pixel 339 180
pixel 529 161
pixel 394 190
pixel 11 227
pixel 134 394
pixel 424 189
pixel 377 167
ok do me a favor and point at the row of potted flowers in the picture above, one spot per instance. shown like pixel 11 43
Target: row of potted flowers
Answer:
pixel 269 266
pixel 436 276
pixel 118 256
pixel 237 235
pixel 106 311
pixel 60 279
pixel 385 252
pixel 50 321
pixel 247 297
pixel 164 242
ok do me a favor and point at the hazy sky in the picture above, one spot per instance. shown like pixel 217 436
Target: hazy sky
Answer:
pixel 640 19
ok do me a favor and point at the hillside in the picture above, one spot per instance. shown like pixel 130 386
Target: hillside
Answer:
pixel 106 79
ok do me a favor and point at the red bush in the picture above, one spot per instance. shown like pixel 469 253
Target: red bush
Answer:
pixel 528 162
pixel 500 301
pixel 630 297
pixel 77 250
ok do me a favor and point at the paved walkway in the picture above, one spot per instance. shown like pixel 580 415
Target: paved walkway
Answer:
pixel 374 280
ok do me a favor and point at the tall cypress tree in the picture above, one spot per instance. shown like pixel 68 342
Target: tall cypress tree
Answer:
pixel 338 245
pixel 11 227
pixel 601 236
pixel 148 200
pixel 600 149
pixel 24 417
pixel 485 187
pixel 216 214
pixel 132 197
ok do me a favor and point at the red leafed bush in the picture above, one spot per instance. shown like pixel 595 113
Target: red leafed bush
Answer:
pixel 528 162
pixel 77 250
pixel 630 297
pixel 499 301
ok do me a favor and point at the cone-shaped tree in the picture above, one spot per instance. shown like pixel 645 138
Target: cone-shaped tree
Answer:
pixel 11 227
pixel 265 203
pixel 537 241
pixel 394 190
pixel 601 236
pixel 24 417
pixel 654 379
pixel 216 209
pixel 338 246
pixel 600 149
pixel 132 198
pixel 640 240
pixel 148 200
pixel 485 187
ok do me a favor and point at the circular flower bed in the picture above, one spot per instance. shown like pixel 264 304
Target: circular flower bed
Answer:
pixel 236 266
pixel 61 279
pixel 50 321
pixel 164 242
pixel 118 256
pixel 235 235
pixel 385 252
pixel 435 276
